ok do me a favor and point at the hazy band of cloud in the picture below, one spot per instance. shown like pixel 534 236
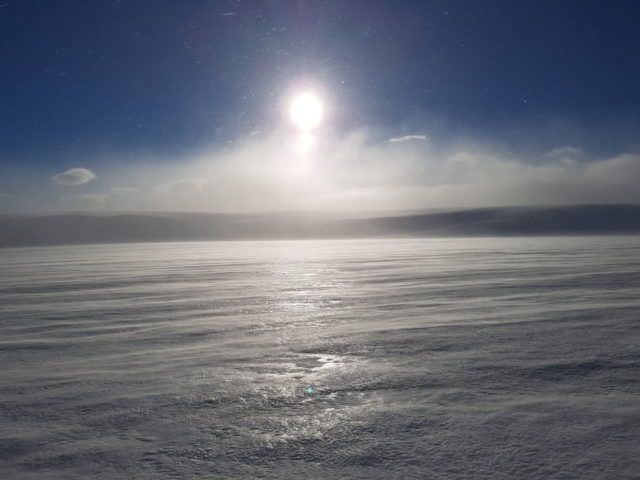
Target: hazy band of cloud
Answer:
pixel 353 172
pixel 347 172
pixel 74 176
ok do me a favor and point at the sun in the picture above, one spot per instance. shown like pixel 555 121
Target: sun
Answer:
pixel 306 111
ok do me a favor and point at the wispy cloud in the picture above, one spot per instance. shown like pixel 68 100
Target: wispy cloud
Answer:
pixel 566 151
pixel 74 176
pixel 407 138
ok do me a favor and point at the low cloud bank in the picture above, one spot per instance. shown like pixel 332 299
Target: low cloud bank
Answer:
pixel 346 173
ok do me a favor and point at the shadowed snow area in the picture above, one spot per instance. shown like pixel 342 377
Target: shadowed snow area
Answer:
pixel 347 359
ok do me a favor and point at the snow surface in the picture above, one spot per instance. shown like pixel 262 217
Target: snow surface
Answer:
pixel 377 359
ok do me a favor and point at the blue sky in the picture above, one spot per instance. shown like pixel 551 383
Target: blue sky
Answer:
pixel 104 85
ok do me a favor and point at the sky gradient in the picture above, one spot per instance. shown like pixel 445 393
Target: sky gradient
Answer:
pixel 181 105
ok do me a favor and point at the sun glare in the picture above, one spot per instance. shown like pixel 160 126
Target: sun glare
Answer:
pixel 306 111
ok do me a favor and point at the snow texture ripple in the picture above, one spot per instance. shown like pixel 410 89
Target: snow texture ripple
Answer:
pixel 361 359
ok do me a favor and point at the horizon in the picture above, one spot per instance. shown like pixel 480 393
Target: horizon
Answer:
pixel 123 227
pixel 331 213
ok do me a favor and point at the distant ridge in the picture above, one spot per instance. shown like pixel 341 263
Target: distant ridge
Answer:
pixel 85 228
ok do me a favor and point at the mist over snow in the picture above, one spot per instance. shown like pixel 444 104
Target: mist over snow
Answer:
pixel 356 171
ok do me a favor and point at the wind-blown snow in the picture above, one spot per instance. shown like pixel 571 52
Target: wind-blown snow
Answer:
pixel 379 359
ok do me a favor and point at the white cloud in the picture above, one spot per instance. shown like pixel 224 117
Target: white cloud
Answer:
pixel 407 138
pixel 74 176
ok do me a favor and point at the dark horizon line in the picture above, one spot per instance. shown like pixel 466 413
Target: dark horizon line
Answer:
pixel 338 213
pixel 89 228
